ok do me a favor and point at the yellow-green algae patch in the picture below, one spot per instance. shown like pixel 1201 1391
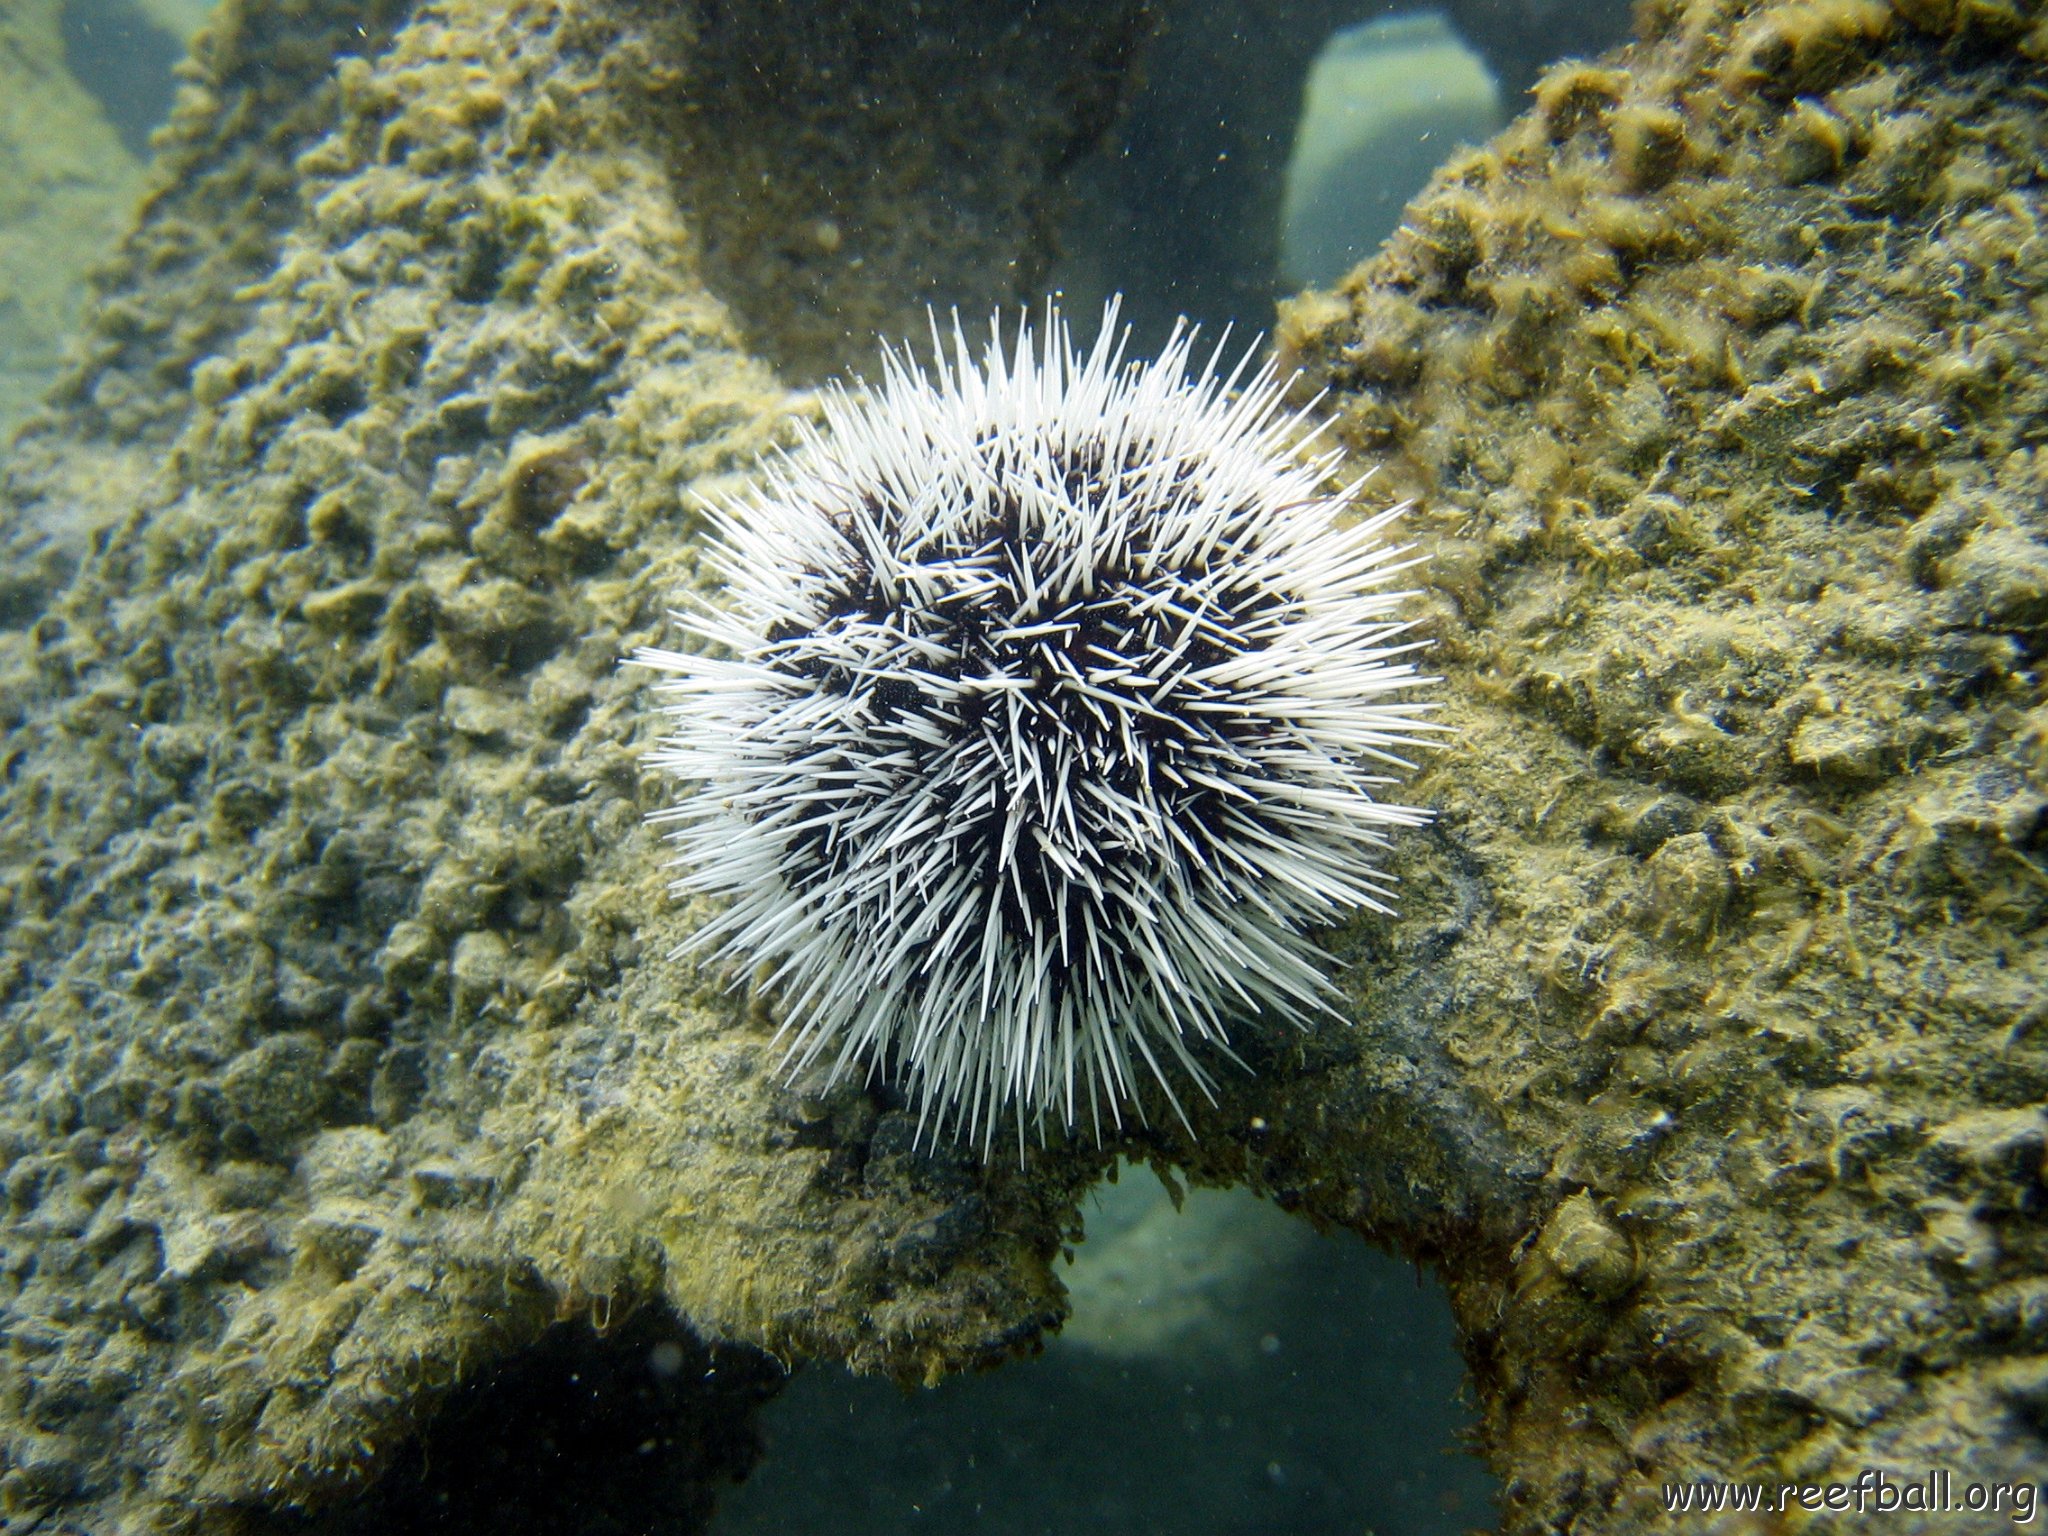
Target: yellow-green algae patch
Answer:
pixel 1720 379
pixel 342 1060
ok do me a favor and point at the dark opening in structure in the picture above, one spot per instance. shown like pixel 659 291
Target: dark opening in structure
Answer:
pixel 1226 1370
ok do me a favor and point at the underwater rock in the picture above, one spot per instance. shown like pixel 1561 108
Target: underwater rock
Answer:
pixel 349 1101
pixel 1715 379
pixel 342 1061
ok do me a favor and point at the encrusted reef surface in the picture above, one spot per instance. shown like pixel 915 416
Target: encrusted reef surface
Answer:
pixel 1722 379
pixel 341 1061
pixel 350 1109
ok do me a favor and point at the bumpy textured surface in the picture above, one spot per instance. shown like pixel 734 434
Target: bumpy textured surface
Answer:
pixel 1721 378
pixel 340 1065
pixel 333 1074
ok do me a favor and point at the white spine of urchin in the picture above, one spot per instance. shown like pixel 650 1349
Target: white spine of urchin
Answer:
pixel 1049 701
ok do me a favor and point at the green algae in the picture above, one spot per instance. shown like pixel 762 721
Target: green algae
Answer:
pixel 1714 379
pixel 337 912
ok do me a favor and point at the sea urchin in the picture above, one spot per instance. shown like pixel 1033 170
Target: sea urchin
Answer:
pixel 1046 705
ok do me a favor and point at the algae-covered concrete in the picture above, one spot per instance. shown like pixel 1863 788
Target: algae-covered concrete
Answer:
pixel 1722 379
pixel 342 1065
pixel 348 1091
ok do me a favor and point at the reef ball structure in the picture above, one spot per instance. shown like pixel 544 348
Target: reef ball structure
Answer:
pixel 361 1156
pixel 1057 702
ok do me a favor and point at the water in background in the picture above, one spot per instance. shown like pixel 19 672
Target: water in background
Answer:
pixel 1227 1370
pixel 1386 103
pixel 83 83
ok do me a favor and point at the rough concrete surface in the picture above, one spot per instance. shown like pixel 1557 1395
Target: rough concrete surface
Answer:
pixel 350 1106
pixel 1721 379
